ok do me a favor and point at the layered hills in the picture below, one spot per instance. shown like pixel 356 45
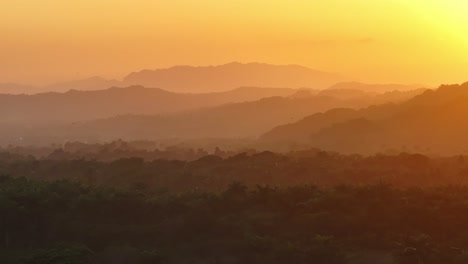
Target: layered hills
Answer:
pixel 433 122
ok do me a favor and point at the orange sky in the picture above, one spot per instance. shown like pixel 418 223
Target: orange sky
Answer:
pixel 406 41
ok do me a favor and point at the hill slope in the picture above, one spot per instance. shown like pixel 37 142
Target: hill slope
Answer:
pixel 433 122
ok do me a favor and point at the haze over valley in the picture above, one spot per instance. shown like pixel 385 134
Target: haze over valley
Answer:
pixel 229 111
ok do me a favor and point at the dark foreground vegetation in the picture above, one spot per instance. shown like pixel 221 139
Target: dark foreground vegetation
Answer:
pixel 301 207
pixel 65 222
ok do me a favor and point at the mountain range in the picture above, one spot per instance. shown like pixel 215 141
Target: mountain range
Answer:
pixel 88 105
pixel 72 115
pixel 336 114
pixel 433 122
pixel 204 79
pixel 232 75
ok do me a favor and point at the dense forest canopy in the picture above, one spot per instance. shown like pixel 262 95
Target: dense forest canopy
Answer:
pixel 64 222
pixel 304 206
pixel 186 170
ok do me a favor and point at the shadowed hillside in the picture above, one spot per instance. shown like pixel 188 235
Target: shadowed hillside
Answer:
pixel 433 122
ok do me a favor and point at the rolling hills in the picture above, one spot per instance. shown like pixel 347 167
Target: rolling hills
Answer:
pixel 73 106
pixel 433 122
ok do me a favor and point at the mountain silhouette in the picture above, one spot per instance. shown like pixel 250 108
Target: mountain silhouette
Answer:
pixel 88 105
pixel 232 75
pixel 236 120
pixel 190 79
pixel 247 119
pixel 433 122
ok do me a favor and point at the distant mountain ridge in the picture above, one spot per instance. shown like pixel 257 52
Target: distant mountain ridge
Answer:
pixel 88 105
pixel 232 75
pixel 201 79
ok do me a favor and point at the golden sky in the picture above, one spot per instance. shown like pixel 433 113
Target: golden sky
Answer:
pixel 406 41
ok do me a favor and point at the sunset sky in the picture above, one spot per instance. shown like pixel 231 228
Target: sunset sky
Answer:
pixel 405 41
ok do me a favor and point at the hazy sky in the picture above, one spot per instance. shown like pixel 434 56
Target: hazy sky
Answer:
pixel 411 41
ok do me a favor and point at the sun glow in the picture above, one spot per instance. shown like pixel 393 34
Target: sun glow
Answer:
pixel 421 41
